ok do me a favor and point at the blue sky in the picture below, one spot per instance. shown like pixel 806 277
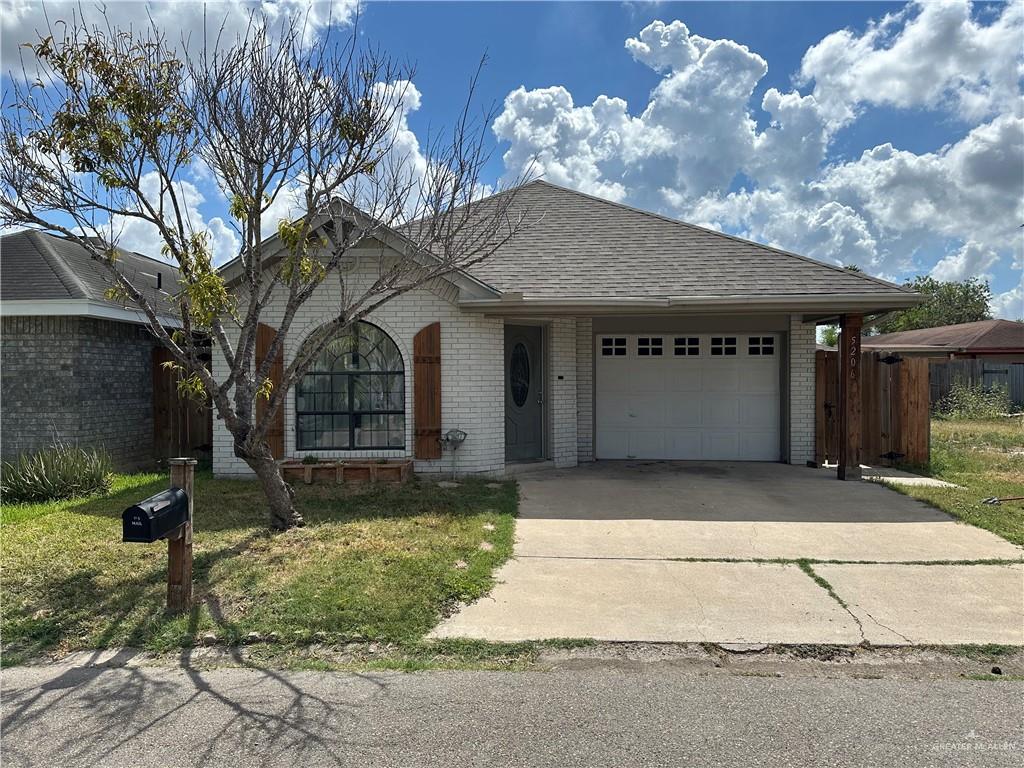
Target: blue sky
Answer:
pixel 580 45
pixel 882 134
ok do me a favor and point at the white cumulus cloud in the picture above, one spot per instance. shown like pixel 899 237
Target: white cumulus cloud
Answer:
pixel 972 260
pixel 890 210
pixel 929 54
pixel 143 237
pixel 1010 304
pixel 23 21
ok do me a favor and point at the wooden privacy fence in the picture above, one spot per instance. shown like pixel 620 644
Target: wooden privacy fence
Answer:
pixel 895 417
pixel 181 427
pixel 986 373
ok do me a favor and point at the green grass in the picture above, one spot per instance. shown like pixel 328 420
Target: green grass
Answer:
pixel 372 563
pixel 805 566
pixel 994 678
pixel 15 513
pixel 985 458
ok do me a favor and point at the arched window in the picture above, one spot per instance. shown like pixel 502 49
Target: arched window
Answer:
pixel 353 396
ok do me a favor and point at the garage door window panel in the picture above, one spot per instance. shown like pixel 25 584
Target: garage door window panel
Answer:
pixel 649 346
pixel 613 346
pixel 686 346
pixel 723 346
pixel 761 346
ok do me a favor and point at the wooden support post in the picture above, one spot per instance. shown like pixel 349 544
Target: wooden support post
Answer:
pixel 848 465
pixel 179 548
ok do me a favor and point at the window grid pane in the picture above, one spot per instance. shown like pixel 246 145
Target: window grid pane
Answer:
pixel 354 397
pixel 649 346
pixel 723 345
pixel 686 346
pixel 758 346
pixel 613 346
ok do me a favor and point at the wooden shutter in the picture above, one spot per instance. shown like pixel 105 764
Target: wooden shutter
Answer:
pixel 426 355
pixel 265 336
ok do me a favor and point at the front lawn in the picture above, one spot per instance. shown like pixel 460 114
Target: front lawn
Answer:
pixel 986 458
pixel 372 563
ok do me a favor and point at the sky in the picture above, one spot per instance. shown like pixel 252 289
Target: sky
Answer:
pixel 886 135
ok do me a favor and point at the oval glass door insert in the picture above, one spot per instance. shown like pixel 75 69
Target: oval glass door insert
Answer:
pixel 519 374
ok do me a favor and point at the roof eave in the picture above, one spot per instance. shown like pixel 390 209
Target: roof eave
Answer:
pixel 516 304
pixel 81 308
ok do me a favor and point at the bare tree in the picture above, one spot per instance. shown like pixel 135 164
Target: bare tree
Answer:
pixel 105 124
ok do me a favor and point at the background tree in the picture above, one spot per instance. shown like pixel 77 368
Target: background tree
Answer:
pixel 103 125
pixel 949 303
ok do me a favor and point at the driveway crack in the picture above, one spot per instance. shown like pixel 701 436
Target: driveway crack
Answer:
pixel 805 566
pixel 883 626
pixel 685 584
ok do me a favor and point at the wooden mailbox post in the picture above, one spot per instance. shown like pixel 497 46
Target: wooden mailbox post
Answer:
pixel 179 547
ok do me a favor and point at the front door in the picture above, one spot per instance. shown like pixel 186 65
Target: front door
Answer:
pixel 524 398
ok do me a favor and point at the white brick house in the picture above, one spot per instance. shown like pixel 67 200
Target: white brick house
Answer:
pixel 599 333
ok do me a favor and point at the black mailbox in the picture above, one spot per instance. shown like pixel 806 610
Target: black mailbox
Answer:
pixel 155 517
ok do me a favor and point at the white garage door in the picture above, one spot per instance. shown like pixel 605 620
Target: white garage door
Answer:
pixel 712 396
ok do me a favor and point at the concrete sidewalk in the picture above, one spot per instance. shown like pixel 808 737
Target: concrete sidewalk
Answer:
pixel 720 602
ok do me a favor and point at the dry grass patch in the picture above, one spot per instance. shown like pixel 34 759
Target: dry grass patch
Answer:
pixel 372 563
pixel 985 457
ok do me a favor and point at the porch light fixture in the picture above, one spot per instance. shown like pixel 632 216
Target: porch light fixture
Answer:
pixel 452 439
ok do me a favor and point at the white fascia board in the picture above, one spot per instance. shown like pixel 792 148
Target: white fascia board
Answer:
pixel 871 302
pixel 79 308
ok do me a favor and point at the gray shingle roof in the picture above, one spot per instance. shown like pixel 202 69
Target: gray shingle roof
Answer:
pixel 36 266
pixel 582 246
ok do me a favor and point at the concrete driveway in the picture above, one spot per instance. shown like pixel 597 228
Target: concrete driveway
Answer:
pixel 743 553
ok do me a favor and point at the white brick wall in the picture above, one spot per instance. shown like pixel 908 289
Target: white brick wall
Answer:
pixel 585 388
pixel 562 395
pixel 472 377
pixel 801 390
pixel 473 383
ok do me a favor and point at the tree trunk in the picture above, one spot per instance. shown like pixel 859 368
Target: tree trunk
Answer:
pixel 280 496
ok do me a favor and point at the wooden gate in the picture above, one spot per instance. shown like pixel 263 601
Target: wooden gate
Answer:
pixel 895 414
pixel 181 427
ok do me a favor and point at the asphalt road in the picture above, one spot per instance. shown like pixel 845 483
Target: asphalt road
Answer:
pixel 656 716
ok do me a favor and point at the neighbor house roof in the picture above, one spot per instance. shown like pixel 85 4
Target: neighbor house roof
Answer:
pixel 584 249
pixel 43 274
pixel 983 335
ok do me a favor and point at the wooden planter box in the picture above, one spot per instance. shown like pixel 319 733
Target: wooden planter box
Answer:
pixel 355 471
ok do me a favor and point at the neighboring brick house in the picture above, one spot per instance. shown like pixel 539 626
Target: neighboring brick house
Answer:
pixel 75 366
pixel 599 332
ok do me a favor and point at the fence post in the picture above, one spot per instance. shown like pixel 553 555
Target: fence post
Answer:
pixel 179 548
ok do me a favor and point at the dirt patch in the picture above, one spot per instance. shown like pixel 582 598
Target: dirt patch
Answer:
pixel 993 663
pixel 869 662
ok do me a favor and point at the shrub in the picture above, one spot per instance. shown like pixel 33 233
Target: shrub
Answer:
pixel 973 401
pixel 61 471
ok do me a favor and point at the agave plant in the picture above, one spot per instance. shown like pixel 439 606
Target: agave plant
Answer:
pixel 61 471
